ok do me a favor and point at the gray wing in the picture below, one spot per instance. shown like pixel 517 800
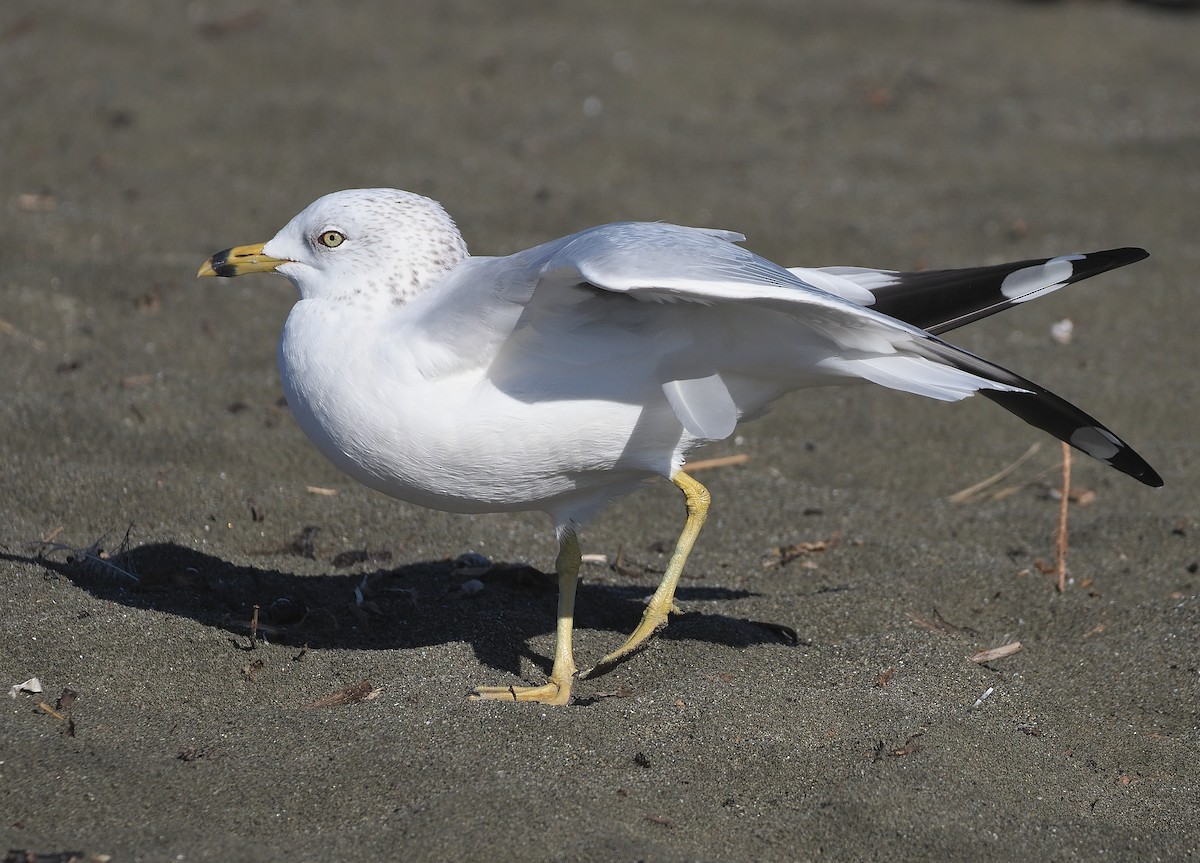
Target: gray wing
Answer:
pixel 719 332
pixel 749 328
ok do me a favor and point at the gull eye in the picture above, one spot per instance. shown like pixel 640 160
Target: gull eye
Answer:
pixel 331 239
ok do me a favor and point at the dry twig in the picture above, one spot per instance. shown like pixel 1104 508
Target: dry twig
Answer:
pixel 1060 546
pixel 967 494
pixel 721 461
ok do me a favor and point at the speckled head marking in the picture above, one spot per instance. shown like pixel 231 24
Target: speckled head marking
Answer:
pixel 368 245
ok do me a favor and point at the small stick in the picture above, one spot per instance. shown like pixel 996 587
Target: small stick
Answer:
pixel 1010 490
pixel 46 708
pixel 1060 551
pixel 968 493
pixel 9 330
pixel 721 461
pixel 254 629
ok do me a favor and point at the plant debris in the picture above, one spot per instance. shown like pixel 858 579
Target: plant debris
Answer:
pixel 720 461
pixel 254 629
pixel 937 623
pixel 352 694
pixel 6 328
pixel 783 555
pixel 94 560
pixel 910 746
pixel 62 710
pixel 974 492
pixel 1060 537
pixel 132 382
pixel 46 708
pixel 996 652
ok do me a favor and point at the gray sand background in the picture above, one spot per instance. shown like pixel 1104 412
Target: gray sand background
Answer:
pixel 140 137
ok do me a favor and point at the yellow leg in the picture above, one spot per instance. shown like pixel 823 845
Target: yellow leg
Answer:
pixel 557 690
pixel 662 603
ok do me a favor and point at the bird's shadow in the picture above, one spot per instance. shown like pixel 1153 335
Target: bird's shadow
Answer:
pixel 495 607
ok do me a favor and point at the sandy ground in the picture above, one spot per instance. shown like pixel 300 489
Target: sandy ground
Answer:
pixel 142 416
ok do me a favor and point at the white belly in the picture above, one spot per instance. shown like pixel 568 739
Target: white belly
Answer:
pixel 456 442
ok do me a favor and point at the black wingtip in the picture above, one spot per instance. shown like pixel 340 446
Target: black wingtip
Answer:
pixel 943 300
pixel 1095 263
pixel 1150 477
pixel 1131 255
pixel 1045 410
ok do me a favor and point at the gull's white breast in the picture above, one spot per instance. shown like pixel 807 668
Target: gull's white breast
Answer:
pixel 456 440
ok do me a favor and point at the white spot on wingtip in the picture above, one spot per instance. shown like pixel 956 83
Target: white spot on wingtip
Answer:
pixel 1096 442
pixel 1028 283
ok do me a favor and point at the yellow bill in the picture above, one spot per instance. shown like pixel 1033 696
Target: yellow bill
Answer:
pixel 240 260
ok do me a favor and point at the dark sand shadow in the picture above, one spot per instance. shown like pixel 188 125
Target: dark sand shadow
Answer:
pixel 413 605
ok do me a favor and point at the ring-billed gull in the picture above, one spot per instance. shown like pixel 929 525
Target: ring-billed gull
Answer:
pixel 560 377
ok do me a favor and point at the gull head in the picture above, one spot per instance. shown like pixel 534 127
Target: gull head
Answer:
pixel 367 244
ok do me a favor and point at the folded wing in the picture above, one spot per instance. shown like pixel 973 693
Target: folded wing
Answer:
pixel 721 332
